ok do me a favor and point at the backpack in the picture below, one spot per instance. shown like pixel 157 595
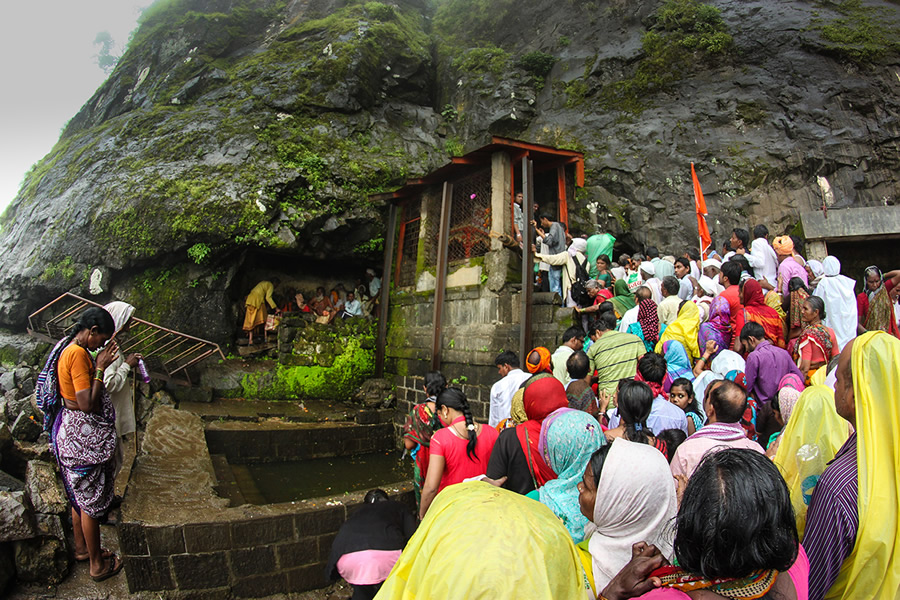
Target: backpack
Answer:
pixel 578 290
pixel 46 390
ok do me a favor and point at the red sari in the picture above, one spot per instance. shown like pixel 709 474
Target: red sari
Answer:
pixel 756 310
pixel 541 398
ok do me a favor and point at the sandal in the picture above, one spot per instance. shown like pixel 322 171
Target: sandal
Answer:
pixel 114 565
pixel 104 553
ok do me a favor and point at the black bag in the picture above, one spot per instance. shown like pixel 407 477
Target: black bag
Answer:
pixel 578 290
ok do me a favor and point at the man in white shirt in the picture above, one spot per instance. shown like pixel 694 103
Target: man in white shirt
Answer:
pixel 502 391
pixel 667 311
pixel 762 257
pixel 352 308
pixel 663 414
pixel 374 283
pixel 683 274
pixel 572 340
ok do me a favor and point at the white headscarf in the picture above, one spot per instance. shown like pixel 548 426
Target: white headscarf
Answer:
pixel 120 312
pixel 577 245
pixel 664 268
pixel 635 502
pixel 724 362
pixel 837 292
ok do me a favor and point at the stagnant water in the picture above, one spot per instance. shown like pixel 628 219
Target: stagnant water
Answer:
pixel 270 483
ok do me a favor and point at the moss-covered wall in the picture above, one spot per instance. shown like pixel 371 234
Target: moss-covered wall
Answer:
pixel 315 360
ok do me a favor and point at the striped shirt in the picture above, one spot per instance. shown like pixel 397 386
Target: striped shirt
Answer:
pixel 615 357
pixel 832 520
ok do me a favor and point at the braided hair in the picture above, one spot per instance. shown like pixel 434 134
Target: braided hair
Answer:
pixel 634 402
pixel 454 398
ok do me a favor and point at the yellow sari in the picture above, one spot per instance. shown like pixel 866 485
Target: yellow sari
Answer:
pixel 481 541
pixel 872 570
pixel 813 435
pixel 685 329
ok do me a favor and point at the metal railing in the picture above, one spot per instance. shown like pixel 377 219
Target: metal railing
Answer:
pixel 167 353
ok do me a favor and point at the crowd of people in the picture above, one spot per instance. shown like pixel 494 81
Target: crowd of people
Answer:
pixel 727 424
pixel 360 301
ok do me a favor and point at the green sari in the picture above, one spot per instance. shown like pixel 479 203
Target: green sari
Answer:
pixel 623 300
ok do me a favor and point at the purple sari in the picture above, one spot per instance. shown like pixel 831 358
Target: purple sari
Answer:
pixel 718 326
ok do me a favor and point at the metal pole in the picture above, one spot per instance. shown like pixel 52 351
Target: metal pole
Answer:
pixel 385 291
pixel 527 258
pixel 440 283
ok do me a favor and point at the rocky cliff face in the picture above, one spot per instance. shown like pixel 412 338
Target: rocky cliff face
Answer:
pixel 233 125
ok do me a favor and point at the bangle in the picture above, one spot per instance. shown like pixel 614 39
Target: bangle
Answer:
pixel 100 379
pixel 703 358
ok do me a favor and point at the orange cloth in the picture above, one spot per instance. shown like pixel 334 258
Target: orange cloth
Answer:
pixel 75 371
pixel 542 366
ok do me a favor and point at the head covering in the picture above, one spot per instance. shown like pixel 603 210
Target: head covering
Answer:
pixel 816 267
pixel 711 262
pixel 568 439
pixel 669 259
pixel 541 398
pixel 635 502
pixel 648 317
pixel 717 326
pixel 664 268
pixel 120 312
pixel 870 570
pixel 724 362
pixel 783 245
pixel 837 291
pixel 707 285
pixel 758 311
pixel 677 363
pixel 648 268
pixel 462 547
pixel 623 301
pixel 685 329
pixel 543 365
pixel 517 407
pixel 787 399
pixel 578 245
pixel 880 309
pixel 810 439
pixel 370 272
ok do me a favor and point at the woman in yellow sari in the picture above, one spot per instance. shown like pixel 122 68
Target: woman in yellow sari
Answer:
pixel 685 329
pixel 481 541
pixel 813 434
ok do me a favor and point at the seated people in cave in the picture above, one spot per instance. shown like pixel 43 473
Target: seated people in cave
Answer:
pixel 374 283
pixel 321 304
pixel 338 297
pixel 256 312
pixel 352 308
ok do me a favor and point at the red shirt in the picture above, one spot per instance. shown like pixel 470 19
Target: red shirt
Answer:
pixel 458 466
pixel 733 295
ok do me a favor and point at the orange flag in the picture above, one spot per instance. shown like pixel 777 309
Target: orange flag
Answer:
pixel 700 204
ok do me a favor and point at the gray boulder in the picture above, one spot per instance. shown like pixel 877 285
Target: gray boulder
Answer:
pixel 26 428
pixel 42 560
pixel 26 387
pixel 22 374
pixel 8 483
pixel 16 404
pixel 16 517
pixel 7 381
pixel 45 488
pixel 50 526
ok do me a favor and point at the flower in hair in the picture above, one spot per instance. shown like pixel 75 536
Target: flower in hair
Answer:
pixel 471 427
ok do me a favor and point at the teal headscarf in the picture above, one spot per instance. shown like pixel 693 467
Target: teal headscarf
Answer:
pixel 568 439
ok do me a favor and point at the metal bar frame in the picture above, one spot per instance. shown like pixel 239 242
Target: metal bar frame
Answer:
pixel 440 283
pixel 528 240
pixel 384 305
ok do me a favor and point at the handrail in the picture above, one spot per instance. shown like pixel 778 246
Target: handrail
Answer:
pixel 163 349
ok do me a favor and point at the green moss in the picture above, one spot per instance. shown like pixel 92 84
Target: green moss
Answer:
pixel 862 34
pixel 752 112
pixel 64 269
pixel 684 33
pixel 488 59
pixel 9 356
pixel 337 382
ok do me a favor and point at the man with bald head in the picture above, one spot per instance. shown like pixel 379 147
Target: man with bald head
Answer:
pixel 851 537
pixel 724 404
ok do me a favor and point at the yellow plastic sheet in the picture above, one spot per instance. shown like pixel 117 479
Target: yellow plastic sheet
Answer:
pixel 812 436
pixel 873 568
pixel 481 541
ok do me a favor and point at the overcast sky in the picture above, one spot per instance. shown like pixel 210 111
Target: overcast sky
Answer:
pixel 48 70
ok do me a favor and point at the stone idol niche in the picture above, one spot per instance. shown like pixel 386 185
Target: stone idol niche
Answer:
pixel 247 509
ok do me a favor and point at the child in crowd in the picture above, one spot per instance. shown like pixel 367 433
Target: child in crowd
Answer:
pixel 681 394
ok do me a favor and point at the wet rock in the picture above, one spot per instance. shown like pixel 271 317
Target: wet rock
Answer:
pixel 7 381
pixel 26 428
pixel 16 404
pixel 27 386
pixel 41 560
pixel 193 394
pixel 374 393
pixel 22 373
pixel 45 488
pixel 19 454
pixel 50 526
pixel 6 440
pixel 16 517
pixel 8 483
pixel 4 418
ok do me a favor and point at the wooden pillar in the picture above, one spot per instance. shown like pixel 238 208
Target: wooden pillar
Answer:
pixel 527 258
pixel 385 300
pixel 561 193
pixel 440 282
